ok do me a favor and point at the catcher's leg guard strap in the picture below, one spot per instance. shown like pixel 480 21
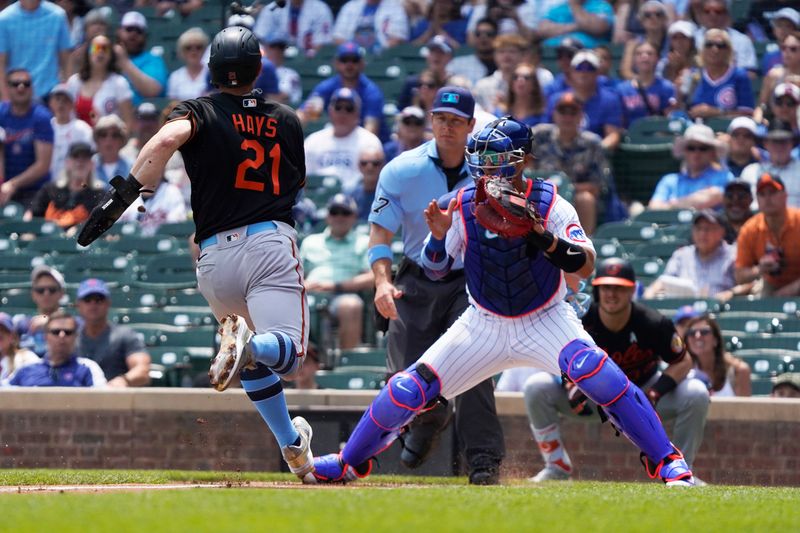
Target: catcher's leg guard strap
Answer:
pixel 406 394
pixel 276 350
pixel 599 377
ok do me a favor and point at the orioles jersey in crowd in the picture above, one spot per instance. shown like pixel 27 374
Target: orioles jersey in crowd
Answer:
pixel 244 158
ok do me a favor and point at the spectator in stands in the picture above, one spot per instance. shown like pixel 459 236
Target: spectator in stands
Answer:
pixel 169 8
pixel 606 78
pixel 333 151
pixel 742 149
pixel 349 65
pixel 98 88
pixel 410 124
pixel 439 55
pixel 646 94
pixel 28 141
pixel 654 20
pixel 589 21
pixel 190 80
pixel 779 141
pixel 61 365
pixel 34 36
pixel 12 357
pixel 96 22
pixel 70 198
pixel 443 20
pixel 480 63
pixel 565 147
pixel 703 269
pixel 290 87
pixel 784 21
pixel 118 350
pixel 152 209
pixel 720 88
pixel 146 72
pixel 524 98
pixel 67 129
pixel 783 106
pixel 701 180
pixel 513 17
pixel 335 263
pixel 373 24
pixel 715 15
pixel 778 74
pixel 370 163
pixel 723 374
pixel 429 83
pixel 47 291
pixel 787 385
pixel 110 135
pixel 307 23
pixel 75 10
pixel 509 51
pixel 602 108
pixel 682 317
pixel 565 51
pixel 767 247
pixel 681 56
pixel 736 208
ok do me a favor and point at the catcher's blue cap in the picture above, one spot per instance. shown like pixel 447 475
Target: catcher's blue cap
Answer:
pixel 455 100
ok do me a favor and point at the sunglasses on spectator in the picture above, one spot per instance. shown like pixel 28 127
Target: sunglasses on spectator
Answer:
pixel 107 134
pixel 339 212
pixel 100 47
pixel 698 148
pixel 743 135
pixel 133 29
pixel 373 162
pixel 485 34
pixel 19 83
pixel 785 102
pixel 651 14
pixel 349 59
pixel 699 331
pixel 719 45
pixel 346 108
pixel 94 298
pixel 50 290
pixel 413 121
pixel 58 332
pixel 526 77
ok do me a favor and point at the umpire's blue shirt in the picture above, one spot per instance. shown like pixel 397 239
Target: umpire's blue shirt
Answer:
pixel 406 186
pixel 73 373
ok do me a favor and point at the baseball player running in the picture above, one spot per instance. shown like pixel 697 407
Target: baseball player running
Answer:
pixel 517 238
pixel 245 159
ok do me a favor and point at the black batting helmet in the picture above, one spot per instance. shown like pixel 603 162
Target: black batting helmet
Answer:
pixel 235 57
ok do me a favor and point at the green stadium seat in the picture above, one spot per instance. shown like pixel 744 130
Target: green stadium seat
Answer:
pixel 647 267
pixel 746 325
pixel 120 230
pixel 668 306
pixel 15 269
pixel 176 363
pixel 637 168
pixel 788 326
pixel 756 342
pixel 353 380
pixel 20 298
pixel 608 247
pixel 179 230
pixel 8 246
pixel 665 217
pixel 773 307
pixel 12 211
pixel 58 246
pixel 629 232
pixel 677 232
pixel 662 249
pixel 145 246
pixel 128 297
pixel 36 227
pixel 362 357
pixel 192 300
pixel 170 271
pixel 654 130
pixel 719 124
pixel 112 267
pixel 201 337
pixel 762 364
pixel 157 317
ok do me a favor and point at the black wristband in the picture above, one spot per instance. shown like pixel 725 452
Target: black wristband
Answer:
pixel 664 385
pixel 541 241
pixel 567 256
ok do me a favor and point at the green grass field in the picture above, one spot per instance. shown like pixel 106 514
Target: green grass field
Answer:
pixel 384 503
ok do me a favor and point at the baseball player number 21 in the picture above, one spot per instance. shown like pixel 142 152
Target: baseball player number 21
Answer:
pixel 275 154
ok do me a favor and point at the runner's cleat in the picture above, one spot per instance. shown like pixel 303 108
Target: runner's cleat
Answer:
pixel 299 458
pixel 234 353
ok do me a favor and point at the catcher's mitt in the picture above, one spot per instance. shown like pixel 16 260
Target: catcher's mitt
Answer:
pixel 503 210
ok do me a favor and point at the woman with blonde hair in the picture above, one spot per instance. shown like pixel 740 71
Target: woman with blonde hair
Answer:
pixel 654 19
pixel 190 81
pixel 525 100
pixel 723 374
pixel 12 357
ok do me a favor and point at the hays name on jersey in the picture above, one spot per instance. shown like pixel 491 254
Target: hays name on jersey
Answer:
pixel 258 125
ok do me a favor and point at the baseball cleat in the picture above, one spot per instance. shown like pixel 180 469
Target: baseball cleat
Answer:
pixel 331 468
pixel 550 473
pixel 299 458
pixel 234 353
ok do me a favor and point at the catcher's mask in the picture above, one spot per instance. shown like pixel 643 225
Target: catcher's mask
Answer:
pixel 498 149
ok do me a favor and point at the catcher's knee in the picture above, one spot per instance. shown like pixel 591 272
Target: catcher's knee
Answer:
pixel 407 393
pixel 593 371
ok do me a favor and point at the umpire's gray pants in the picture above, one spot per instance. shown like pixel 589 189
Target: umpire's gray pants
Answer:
pixel 687 405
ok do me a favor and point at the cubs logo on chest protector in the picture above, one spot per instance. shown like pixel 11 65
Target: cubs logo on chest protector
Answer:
pixel 501 277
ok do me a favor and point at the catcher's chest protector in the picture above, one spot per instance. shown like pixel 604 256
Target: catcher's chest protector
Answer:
pixel 500 276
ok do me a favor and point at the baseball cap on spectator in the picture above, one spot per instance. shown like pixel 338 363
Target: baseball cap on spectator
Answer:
pixel 569 45
pixel 111 122
pixel 768 180
pixel 147 110
pixel 455 100
pixel 706 214
pixel 79 149
pixel 345 94
pixel 654 4
pixel 683 27
pixel 568 99
pixel 791 379
pixel 42 270
pixel 6 323
pixel 438 42
pixel 685 312
pixel 134 19
pixel 745 123
pixel 278 39
pixel 786 89
pixel 615 271
pixel 738 183
pixel 349 50
pixel 779 131
pixel 412 115
pixel 245 21
pixel 92 286
pixel 344 202
pixel 62 89
pixel 786 13
pixel 699 134
pixel 585 60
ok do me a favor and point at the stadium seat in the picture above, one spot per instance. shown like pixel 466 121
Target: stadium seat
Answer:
pixel 19 298
pixel 8 246
pixel 787 326
pixel 112 267
pixel 179 230
pixel 176 363
pixel 742 325
pixel 12 211
pixel 719 124
pixel 145 246
pixel 183 319
pixel 362 357
pixel 120 230
pixel 628 232
pixel 187 299
pixel 661 249
pixel 128 297
pixel 56 246
pixel 756 342
pixel 647 267
pixel 169 271
pixel 15 269
pixel 35 227
pixel 201 337
pixel 637 168
pixel 654 130
pixel 772 307
pixel 668 306
pixel 353 380
pixel 665 217
pixel 608 247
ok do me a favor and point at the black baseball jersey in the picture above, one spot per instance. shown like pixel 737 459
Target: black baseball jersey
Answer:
pixel 647 337
pixel 245 160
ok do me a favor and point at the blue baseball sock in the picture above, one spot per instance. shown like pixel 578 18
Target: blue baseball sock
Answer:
pixel 265 391
pixel 276 350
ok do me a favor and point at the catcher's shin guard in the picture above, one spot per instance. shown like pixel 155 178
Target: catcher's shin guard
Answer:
pixel 406 394
pixel 599 377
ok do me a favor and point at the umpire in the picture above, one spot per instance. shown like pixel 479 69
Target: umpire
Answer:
pixel 421 310
pixel 636 338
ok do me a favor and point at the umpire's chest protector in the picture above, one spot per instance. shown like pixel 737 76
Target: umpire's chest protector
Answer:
pixel 501 277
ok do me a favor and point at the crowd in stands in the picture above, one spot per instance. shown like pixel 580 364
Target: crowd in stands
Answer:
pixel 84 84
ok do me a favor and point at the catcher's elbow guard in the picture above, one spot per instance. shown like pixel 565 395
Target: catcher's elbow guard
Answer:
pixel 122 194
pixel 567 256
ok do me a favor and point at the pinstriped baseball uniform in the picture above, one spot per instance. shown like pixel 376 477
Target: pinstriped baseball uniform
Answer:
pixel 484 342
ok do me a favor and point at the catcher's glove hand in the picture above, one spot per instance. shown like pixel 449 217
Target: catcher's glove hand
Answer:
pixel 504 210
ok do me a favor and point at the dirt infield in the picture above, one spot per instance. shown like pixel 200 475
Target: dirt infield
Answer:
pixel 139 487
